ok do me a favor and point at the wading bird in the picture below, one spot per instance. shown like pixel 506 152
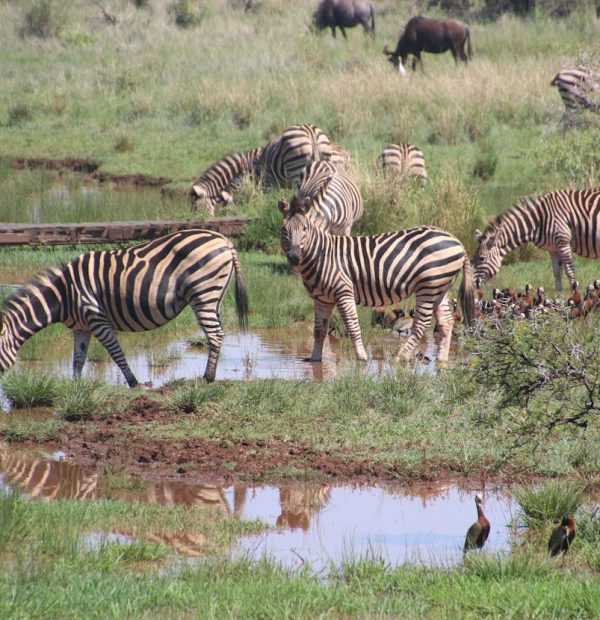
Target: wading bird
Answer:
pixel 480 530
pixel 562 536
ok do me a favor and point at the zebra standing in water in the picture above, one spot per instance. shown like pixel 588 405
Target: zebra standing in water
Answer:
pixel 284 157
pixel 561 221
pixel 213 185
pixel 405 160
pixel 332 198
pixel 131 290
pixel 575 85
pixel 377 271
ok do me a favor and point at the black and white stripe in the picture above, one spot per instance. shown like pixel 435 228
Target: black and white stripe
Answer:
pixel 331 196
pixel 131 290
pixel 213 186
pixel 562 221
pixel 576 86
pixel 404 160
pixel 284 157
pixel 341 157
pixel 377 271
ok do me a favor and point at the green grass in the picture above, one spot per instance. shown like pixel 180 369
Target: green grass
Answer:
pixel 549 502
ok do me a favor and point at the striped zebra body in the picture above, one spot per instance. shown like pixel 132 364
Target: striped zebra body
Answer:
pixel 404 160
pixel 575 85
pixel 333 198
pixel 284 157
pixel 213 186
pixel 131 290
pixel 377 271
pixel 341 157
pixel 562 222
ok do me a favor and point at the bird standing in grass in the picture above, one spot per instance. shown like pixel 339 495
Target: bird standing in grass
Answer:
pixel 562 536
pixel 480 530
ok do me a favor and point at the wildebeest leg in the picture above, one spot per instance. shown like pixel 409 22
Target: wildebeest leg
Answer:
pixel 557 270
pixel 347 307
pixel 454 53
pixel 322 315
pixel 422 321
pixel 343 31
pixel 333 31
pixel 445 321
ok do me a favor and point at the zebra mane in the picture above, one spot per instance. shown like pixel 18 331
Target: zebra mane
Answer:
pixel 323 176
pixel 523 204
pixel 48 277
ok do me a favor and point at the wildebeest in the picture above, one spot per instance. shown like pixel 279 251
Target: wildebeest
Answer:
pixel 435 36
pixel 344 14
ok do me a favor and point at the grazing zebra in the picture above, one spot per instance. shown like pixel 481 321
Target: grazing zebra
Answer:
pixel 284 157
pixel 377 271
pixel 404 160
pixel 575 84
pixel 213 185
pixel 341 157
pixel 332 197
pixel 130 290
pixel 561 221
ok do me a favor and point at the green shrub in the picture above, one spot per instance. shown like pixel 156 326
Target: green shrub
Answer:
pixel 189 397
pixel 29 389
pixel 18 114
pixel 42 19
pixel 183 15
pixel 79 399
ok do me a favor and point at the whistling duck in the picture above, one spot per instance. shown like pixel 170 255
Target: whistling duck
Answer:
pixel 576 296
pixel 562 536
pixel 480 530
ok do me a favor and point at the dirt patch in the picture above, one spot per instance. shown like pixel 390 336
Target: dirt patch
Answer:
pixel 118 442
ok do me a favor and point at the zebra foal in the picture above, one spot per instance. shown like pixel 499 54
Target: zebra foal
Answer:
pixel 331 196
pixel 562 222
pixel 404 160
pixel 131 290
pixel 377 271
pixel 575 85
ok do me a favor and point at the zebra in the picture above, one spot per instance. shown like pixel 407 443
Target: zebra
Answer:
pixel 130 290
pixel 375 271
pixel 404 160
pixel 561 221
pixel 213 185
pixel 575 84
pixel 284 157
pixel 333 199
pixel 341 157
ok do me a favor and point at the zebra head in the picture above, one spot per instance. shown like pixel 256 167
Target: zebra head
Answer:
pixel 294 228
pixel 202 200
pixel 488 259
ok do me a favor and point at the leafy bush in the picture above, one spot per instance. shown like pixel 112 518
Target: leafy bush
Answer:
pixel 18 114
pixel 183 15
pixel 42 19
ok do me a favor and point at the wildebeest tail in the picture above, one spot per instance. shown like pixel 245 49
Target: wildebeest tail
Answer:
pixel 241 292
pixel 466 292
pixel 469 46
pixel 372 18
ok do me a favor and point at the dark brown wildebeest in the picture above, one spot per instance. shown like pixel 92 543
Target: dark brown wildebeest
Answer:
pixel 344 14
pixel 435 36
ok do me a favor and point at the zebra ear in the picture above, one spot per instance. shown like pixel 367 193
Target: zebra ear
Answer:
pixel 226 197
pixel 284 206
pixel 304 206
pixel 478 234
pixel 198 190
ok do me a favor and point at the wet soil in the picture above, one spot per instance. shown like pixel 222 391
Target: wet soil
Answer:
pixel 120 443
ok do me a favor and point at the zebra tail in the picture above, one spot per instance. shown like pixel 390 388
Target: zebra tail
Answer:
pixel 469 47
pixel 466 292
pixel 241 292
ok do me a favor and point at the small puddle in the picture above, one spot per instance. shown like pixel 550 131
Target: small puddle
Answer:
pixel 316 524
pixel 268 353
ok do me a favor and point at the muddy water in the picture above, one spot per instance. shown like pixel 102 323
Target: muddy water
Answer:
pixel 267 353
pixel 317 524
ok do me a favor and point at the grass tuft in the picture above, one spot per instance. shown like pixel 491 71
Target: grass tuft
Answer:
pixel 549 502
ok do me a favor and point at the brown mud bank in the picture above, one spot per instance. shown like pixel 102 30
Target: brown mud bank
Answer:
pixel 89 167
pixel 121 443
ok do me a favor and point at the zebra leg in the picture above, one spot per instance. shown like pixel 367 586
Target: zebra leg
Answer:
pixel 207 315
pixel 566 258
pixel 445 322
pixel 81 341
pixel 322 315
pixel 557 270
pixel 347 307
pixel 107 337
pixel 422 321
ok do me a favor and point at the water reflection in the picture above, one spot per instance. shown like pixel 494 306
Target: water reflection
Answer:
pixel 268 353
pixel 314 523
